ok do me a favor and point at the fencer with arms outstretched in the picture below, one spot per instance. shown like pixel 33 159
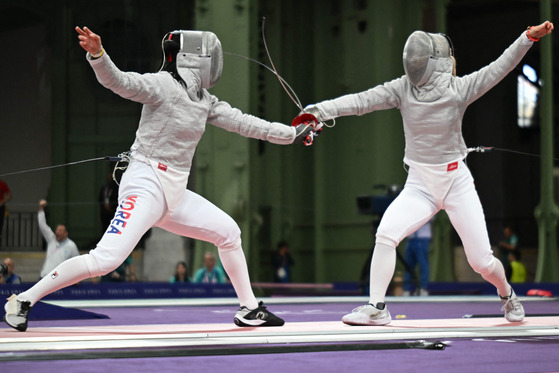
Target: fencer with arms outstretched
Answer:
pixel 176 108
pixel 432 101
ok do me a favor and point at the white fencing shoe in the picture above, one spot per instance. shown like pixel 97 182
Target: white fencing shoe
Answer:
pixel 257 317
pixel 514 312
pixel 368 315
pixel 16 313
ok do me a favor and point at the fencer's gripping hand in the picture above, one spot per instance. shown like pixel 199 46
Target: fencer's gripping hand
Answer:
pixel 540 31
pixel 303 134
pixel 313 110
pixel 89 41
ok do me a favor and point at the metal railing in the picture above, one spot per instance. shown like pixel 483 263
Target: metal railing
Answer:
pixel 21 232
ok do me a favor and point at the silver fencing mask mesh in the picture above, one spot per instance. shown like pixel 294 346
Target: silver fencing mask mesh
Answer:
pixel 195 50
pixel 421 52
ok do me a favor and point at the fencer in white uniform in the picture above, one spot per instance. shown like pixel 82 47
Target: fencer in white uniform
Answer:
pixel 432 102
pixel 176 108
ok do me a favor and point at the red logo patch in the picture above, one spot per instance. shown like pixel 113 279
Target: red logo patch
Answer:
pixel 162 167
pixel 452 166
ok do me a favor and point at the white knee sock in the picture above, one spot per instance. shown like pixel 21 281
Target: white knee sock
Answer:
pixel 67 273
pixel 498 278
pixel 382 270
pixel 235 265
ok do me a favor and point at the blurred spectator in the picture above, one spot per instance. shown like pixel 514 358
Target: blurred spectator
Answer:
pixel 181 273
pixel 210 274
pixel 517 268
pixel 145 237
pixel 5 196
pixel 397 285
pixel 417 253
pixel 124 273
pixel 282 263
pixel 59 246
pixel 507 245
pixel 108 200
pixel 8 276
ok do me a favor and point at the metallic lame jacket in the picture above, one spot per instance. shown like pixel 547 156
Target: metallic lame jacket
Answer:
pixel 432 114
pixel 174 118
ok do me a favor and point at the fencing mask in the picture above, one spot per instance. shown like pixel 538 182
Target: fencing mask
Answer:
pixel 421 52
pixel 199 51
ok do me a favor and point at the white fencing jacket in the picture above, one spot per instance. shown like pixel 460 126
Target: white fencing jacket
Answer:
pixel 174 119
pixel 432 114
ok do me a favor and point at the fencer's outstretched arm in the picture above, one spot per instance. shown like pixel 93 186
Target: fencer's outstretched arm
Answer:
pixel 469 87
pixel 231 119
pixel 381 97
pixel 153 88
pixel 142 88
pixel 472 86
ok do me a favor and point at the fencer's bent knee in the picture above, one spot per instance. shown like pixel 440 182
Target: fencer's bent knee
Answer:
pixel 484 267
pixel 230 238
pixel 386 239
pixel 389 233
pixel 100 262
pixel 92 266
pixel 231 246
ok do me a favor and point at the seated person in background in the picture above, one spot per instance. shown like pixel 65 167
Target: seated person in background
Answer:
pixel 507 245
pixel 181 273
pixel 210 274
pixel 7 275
pixel 124 273
pixel 517 268
pixel 59 246
pixel 282 263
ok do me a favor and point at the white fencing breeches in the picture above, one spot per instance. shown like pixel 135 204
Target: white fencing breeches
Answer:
pixel 142 206
pixel 415 206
